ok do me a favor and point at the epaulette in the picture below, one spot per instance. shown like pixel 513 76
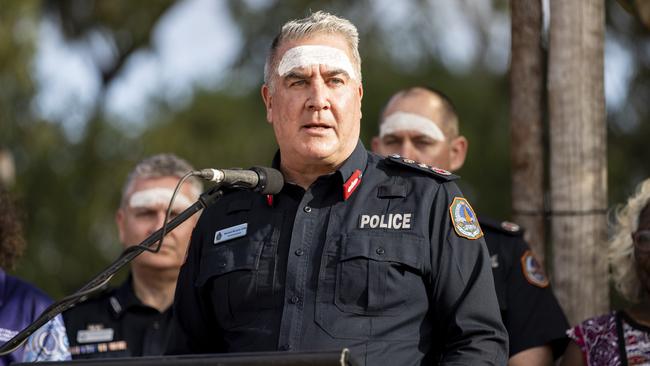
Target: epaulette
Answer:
pixel 505 227
pixel 429 170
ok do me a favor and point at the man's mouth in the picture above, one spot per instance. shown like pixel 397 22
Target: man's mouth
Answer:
pixel 317 126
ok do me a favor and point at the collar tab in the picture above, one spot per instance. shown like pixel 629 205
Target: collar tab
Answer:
pixel 351 184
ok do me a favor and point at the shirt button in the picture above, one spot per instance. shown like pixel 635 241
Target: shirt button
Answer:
pixel 307 209
pixel 285 347
pixel 299 252
pixel 156 325
pixel 380 251
pixel 294 300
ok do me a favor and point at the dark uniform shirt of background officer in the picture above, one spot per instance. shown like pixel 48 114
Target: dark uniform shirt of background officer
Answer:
pixel 521 283
pixel 421 123
pixel 117 324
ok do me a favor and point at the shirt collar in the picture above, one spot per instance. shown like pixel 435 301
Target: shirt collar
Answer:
pixel 356 161
pixel 124 298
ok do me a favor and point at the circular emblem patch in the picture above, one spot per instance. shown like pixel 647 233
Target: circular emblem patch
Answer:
pixel 464 219
pixel 533 270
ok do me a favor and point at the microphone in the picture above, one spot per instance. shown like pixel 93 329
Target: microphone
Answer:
pixel 259 179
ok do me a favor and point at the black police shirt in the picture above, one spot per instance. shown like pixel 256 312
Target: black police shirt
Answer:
pixel 117 324
pixel 529 309
pixel 370 258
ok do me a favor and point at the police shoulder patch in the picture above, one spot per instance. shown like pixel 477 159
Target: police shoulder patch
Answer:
pixel 429 170
pixel 533 270
pixel 464 219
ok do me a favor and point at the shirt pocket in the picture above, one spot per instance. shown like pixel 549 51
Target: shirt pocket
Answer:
pixel 370 285
pixel 229 276
pixel 375 273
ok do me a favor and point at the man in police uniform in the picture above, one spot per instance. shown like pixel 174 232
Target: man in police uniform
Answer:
pixel 422 124
pixel 136 318
pixel 382 256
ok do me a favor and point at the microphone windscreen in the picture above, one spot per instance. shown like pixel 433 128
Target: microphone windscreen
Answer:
pixel 273 179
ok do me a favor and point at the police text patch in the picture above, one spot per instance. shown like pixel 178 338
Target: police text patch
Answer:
pixel 394 221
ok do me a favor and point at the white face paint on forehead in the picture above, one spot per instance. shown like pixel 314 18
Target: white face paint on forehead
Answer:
pixel 156 197
pixel 401 121
pixel 305 56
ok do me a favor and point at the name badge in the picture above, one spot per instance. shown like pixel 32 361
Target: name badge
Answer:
pixel 230 233
pixel 95 335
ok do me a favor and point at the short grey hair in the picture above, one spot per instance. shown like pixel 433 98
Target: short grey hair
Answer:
pixel 159 166
pixel 316 23
pixel 621 247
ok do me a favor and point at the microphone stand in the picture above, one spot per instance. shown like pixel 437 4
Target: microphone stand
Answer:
pixel 206 199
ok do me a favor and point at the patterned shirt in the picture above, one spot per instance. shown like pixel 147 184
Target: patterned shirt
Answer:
pixel 612 339
pixel 20 304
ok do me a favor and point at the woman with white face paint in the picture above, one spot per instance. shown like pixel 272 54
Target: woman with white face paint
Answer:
pixel 354 251
pixel 136 318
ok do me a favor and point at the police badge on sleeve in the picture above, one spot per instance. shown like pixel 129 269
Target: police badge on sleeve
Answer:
pixel 533 270
pixel 464 219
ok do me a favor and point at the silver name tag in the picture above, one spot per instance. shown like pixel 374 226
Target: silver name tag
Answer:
pixel 95 335
pixel 230 233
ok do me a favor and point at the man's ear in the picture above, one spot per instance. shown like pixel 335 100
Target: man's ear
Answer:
pixel 375 145
pixel 119 221
pixel 267 98
pixel 457 153
pixel 360 99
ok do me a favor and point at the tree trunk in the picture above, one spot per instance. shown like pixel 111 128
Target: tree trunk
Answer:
pixel 526 128
pixel 578 157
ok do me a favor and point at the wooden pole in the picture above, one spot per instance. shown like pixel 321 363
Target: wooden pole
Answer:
pixel 526 127
pixel 578 157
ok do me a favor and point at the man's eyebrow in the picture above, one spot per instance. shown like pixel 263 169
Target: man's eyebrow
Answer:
pixel 295 75
pixel 334 72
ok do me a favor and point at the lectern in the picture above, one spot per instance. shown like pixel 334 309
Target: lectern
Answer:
pixel 320 358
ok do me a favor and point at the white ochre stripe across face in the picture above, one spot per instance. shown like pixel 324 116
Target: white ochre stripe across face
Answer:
pixel 401 121
pixel 305 56
pixel 156 197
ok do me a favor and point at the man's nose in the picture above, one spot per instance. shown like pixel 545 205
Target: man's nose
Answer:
pixel 160 219
pixel 318 96
pixel 407 150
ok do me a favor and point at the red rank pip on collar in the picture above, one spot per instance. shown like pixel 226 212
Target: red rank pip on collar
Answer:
pixel 351 184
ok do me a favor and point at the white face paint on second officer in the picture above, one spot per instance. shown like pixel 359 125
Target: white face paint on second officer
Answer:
pixel 402 121
pixel 154 197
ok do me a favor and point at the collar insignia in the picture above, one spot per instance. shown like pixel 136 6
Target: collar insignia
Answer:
pixel 351 184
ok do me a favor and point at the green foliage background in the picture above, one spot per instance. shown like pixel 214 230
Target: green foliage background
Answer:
pixel 69 188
